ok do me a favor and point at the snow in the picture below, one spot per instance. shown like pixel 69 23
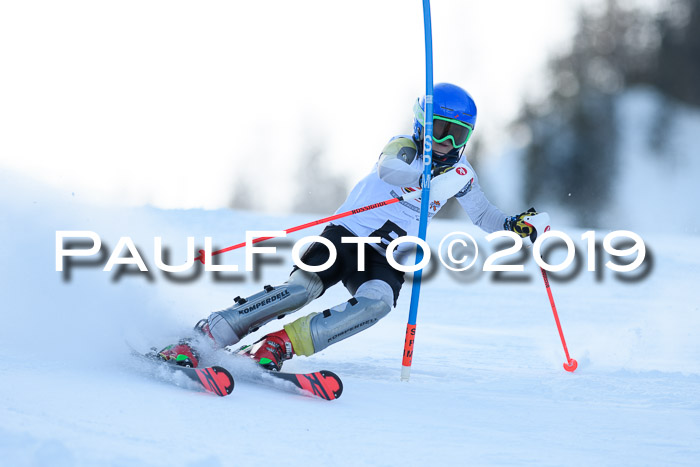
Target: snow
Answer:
pixel 487 385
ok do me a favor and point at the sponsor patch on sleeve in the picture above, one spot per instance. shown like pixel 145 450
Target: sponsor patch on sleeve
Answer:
pixel 467 188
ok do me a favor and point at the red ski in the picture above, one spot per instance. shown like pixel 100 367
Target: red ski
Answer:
pixel 218 380
pixel 324 384
pixel 214 379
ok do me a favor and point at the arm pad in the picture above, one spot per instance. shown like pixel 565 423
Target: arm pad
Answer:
pixel 394 165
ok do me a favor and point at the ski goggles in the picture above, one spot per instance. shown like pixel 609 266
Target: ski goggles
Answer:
pixel 446 128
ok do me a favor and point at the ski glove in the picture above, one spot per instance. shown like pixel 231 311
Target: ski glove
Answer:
pixel 517 224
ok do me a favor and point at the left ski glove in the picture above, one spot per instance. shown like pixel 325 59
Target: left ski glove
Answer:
pixel 518 224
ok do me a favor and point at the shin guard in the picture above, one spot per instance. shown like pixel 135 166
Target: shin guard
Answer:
pixel 371 302
pixel 230 325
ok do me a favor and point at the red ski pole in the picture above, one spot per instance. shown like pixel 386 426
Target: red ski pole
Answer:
pixel 570 364
pixel 407 196
pixel 444 186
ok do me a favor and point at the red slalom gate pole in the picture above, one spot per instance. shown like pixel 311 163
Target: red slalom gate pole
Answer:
pixel 570 364
pixel 408 196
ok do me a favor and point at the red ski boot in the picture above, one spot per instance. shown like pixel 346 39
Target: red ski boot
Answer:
pixel 182 354
pixel 271 351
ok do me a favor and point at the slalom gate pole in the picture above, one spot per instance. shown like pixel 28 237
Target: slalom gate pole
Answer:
pixel 369 207
pixel 570 364
pixel 425 196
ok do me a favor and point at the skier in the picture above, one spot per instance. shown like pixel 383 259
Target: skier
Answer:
pixel 375 289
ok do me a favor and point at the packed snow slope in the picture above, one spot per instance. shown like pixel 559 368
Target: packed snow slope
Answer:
pixel 487 385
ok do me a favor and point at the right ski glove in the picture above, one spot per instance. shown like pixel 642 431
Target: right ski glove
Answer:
pixel 518 225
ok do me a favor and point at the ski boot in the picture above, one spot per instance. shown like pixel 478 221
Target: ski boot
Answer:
pixel 202 328
pixel 182 354
pixel 271 351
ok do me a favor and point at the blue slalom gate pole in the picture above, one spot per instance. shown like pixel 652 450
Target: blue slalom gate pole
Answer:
pixel 425 195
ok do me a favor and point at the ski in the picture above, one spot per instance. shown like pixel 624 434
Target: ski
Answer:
pixel 323 384
pixel 214 379
pixel 218 380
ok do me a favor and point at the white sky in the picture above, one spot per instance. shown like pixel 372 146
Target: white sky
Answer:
pixel 170 102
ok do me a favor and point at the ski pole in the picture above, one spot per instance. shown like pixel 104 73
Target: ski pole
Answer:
pixel 406 197
pixel 570 364
pixel 425 200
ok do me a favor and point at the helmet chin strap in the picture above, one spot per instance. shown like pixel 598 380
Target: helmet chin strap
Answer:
pixel 454 152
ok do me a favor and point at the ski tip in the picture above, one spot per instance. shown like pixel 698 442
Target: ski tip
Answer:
pixel 323 384
pixel 334 389
pixel 231 383
pixel 215 379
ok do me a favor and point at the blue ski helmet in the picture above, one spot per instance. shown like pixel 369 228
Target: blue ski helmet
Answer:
pixel 454 118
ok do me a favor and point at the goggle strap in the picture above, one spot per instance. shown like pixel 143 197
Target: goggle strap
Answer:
pixel 418 112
